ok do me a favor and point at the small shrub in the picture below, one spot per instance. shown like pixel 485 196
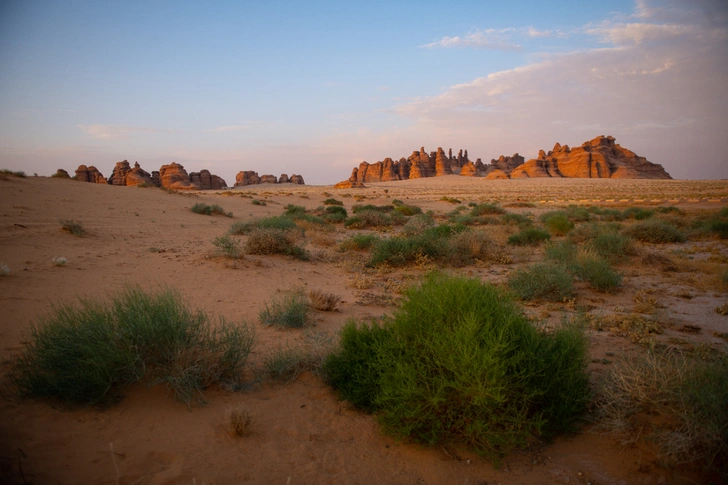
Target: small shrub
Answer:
pixel 486 209
pixel 209 210
pixel 468 246
pixel 290 310
pixel 724 277
pixel 10 173
pixel 557 223
pixel 544 281
pixel 719 228
pixel 228 247
pixel 286 363
pixel 655 232
pixel 459 362
pixel 321 301
pixel 451 200
pixel 274 241
pixel 335 214
pixel 333 202
pixel 239 420
pixel 356 209
pixel 89 352
pixel 607 214
pixel 59 260
pixel 401 250
pixel 688 393
pixel 578 213
pixel 514 219
pixel 258 202
pixel 368 218
pixel 598 272
pixel 417 225
pixel 563 252
pixel 671 209
pixel 5 269
pixel 73 227
pixel 637 213
pixel 275 222
pixel 408 210
pixel 359 242
pixel 612 246
pixel 529 236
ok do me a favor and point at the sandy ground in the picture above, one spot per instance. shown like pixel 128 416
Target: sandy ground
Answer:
pixel 301 433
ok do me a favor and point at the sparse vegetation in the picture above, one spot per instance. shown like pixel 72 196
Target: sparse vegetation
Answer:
pixel 655 232
pixel 73 227
pixel 359 242
pixel 239 420
pixel 275 222
pixel 542 281
pixel 451 200
pixel 209 210
pixel 274 241
pixel 332 201
pixel 637 213
pixel 228 247
pixel 287 310
pixel 458 362
pixel 598 272
pixel 258 202
pixel 4 269
pixel 89 352
pixel 687 393
pixel 557 223
pixel 321 301
pixel 12 173
pixel 486 209
pixel 59 260
pixel 529 236
pixel 286 363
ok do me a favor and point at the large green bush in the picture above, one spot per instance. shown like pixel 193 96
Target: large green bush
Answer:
pixel 654 231
pixel 547 281
pixel 460 363
pixel 89 352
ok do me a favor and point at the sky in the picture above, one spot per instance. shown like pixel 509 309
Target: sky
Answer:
pixel 315 88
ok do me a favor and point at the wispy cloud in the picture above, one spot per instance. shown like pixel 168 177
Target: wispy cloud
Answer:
pixel 495 39
pixel 116 132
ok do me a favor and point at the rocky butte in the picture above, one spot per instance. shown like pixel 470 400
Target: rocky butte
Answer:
pixel 173 176
pixel 597 158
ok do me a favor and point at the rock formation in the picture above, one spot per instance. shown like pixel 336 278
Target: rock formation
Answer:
pixel 249 177
pixel 174 176
pixel 123 174
pixel 597 158
pixel 204 180
pixel 89 174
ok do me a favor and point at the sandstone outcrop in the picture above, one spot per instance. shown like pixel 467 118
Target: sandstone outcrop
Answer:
pixel 174 176
pixel 89 174
pixel 124 175
pixel 204 180
pixel 249 177
pixel 597 158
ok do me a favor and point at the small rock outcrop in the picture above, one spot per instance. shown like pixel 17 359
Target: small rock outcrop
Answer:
pixel 174 176
pixel 469 170
pixel 249 177
pixel 124 175
pixel 89 174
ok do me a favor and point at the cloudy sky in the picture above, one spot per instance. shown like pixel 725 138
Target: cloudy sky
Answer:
pixel 316 87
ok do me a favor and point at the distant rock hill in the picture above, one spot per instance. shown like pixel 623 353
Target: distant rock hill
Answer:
pixel 597 158
pixel 173 176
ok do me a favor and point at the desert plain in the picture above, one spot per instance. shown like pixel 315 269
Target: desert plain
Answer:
pixel 300 431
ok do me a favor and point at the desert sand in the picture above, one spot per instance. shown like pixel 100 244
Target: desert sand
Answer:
pixel 301 433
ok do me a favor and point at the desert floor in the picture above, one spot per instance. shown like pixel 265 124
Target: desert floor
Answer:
pixel 301 432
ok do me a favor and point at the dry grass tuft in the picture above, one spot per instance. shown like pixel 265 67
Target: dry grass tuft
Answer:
pixel 321 301
pixel 239 420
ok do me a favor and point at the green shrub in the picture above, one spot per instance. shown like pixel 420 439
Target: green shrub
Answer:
pixel 17 173
pixel 333 201
pixel 274 241
pixel 459 363
pixel 466 247
pixel 289 310
pixel 607 214
pixel 511 218
pixel 356 209
pixel 408 210
pixel 598 272
pixel 276 222
pixel 562 251
pixel 654 231
pixel 578 213
pixel 258 202
pixel 545 281
pixel 483 209
pixel 73 227
pixel 724 278
pixel 529 236
pixel 470 220
pixel 228 247
pixel 612 246
pixel 451 200
pixel 719 228
pixel 401 250
pixel 417 225
pixel 688 396
pixel 671 209
pixel 209 210
pixel 557 223
pixel 637 213
pixel 359 242
pixel 88 353
pixel 374 218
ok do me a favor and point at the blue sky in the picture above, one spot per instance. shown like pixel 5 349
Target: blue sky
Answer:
pixel 316 87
